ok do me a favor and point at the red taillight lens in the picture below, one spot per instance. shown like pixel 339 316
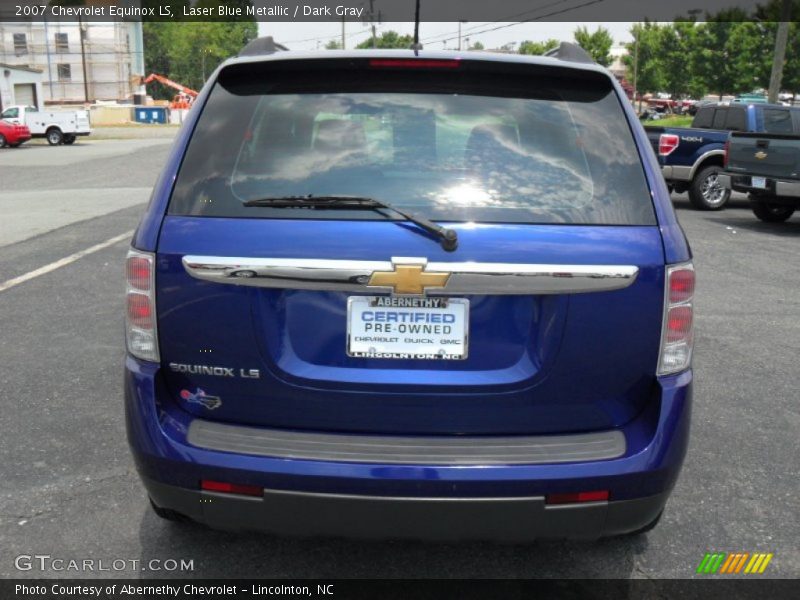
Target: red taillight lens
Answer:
pixel 594 496
pixel 231 488
pixel 681 286
pixel 725 154
pixel 667 142
pixel 140 317
pixel 138 272
pixel 140 311
pixel 677 336
pixel 413 63
pixel 679 323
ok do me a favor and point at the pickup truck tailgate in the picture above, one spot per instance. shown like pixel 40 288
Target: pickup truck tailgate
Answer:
pixel 770 155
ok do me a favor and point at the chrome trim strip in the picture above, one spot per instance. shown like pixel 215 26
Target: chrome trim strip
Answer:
pixel 699 160
pixel 786 188
pixel 466 277
pixel 415 450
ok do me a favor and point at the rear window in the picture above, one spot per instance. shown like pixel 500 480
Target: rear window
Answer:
pixel 704 118
pixel 719 118
pixel 465 144
pixel 778 121
pixel 737 119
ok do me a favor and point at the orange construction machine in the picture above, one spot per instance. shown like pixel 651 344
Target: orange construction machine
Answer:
pixel 184 97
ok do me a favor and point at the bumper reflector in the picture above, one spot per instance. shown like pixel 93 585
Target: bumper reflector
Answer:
pixel 231 488
pixel 595 496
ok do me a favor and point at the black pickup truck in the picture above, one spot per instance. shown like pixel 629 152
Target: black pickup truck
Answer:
pixel 767 167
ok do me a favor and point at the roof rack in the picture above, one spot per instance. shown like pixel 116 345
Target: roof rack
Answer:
pixel 262 45
pixel 570 52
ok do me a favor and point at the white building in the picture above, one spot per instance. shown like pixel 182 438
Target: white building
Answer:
pixel 81 62
pixel 19 85
pixel 617 66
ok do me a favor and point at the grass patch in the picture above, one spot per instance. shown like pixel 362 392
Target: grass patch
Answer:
pixel 672 121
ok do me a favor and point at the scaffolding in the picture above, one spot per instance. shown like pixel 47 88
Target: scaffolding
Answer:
pixel 82 61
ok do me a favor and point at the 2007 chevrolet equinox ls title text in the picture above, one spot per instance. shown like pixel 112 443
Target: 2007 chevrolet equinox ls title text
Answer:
pixel 410 294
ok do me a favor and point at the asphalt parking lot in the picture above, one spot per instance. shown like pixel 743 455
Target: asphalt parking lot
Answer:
pixel 70 490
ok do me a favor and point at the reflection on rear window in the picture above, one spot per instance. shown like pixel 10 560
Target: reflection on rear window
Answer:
pixel 459 151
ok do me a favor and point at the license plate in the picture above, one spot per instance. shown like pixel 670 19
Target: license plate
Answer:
pixel 407 328
pixel 758 182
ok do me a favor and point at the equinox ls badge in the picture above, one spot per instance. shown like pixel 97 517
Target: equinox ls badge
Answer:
pixel 408 279
pixel 215 371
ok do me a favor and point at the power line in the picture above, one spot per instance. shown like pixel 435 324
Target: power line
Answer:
pixel 471 29
pixel 550 14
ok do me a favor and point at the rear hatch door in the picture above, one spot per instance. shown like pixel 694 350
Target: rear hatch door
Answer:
pixel 554 295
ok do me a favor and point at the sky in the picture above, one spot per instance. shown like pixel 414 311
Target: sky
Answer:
pixel 313 35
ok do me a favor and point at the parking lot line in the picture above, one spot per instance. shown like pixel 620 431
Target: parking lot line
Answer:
pixel 64 261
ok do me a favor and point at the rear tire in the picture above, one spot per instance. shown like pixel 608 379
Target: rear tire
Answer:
pixel 769 212
pixel 70 139
pixel 168 514
pixel 54 136
pixel 706 192
pixel 2 141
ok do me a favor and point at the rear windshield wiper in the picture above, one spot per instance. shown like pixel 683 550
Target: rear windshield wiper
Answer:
pixel 448 237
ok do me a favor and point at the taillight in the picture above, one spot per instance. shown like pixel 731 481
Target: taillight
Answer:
pixel 725 154
pixel 667 142
pixel 140 300
pixel 678 326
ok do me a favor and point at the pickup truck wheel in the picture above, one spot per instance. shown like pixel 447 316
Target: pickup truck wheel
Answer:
pixel 769 212
pixel 54 136
pixel 706 192
pixel 70 139
pixel 2 141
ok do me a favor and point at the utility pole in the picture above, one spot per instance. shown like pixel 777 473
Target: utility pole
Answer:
pixel 459 34
pixel 636 69
pixel 780 52
pixel 82 28
pixel 372 22
pixel 343 36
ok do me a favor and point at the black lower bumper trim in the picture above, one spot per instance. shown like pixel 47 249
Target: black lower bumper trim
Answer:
pixel 505 519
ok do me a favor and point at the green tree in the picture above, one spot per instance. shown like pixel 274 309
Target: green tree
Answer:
pixel 537 48
pixel 189 51
pixel 388 39
pixel 770 13
pixel 476 46
pixel 676 65
pixel 646 71
pixel 333 45
pixel 597 44
pixel 715 60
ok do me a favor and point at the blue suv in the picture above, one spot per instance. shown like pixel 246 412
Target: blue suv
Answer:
pixel 410 294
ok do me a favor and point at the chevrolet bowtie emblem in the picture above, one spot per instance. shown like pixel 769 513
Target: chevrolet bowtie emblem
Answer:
pixel 408 279
pixel 760 155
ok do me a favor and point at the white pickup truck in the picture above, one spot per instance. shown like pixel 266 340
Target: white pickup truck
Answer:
pixel 58 127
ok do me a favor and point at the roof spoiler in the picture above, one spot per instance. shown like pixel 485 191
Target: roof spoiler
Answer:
pixel 570 52
pixel 262 45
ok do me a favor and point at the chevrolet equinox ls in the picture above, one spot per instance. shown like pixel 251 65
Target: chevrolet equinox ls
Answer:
pixel 410 294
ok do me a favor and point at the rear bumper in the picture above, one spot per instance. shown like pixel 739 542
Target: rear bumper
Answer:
pixel 356 496
pixel 676 173
pixel 775 187
pixel 511 519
